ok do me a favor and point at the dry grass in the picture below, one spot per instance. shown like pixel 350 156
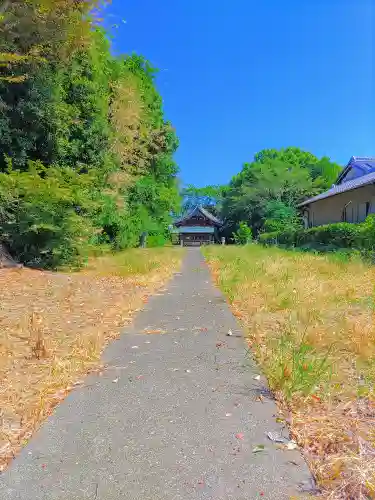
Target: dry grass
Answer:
pixel 53 327
pixel 310 323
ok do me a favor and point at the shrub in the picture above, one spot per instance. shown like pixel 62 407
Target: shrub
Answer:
pixel 330 236
pixel 366 236
pixel 243 234
pixel 156 240
pixel 270 238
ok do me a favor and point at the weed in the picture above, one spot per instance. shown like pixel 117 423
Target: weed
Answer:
pixel 310 324
pixel 298 368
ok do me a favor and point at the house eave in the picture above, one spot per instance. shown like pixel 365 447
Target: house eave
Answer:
pixel 311 201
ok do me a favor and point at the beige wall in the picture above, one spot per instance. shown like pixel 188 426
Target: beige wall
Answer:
pixel 330 210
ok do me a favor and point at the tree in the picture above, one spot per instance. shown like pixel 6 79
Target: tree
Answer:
pixel 209 197
pixel 267 191
pixel 291 156
pixel 259 183
pixel 37 31
pixel 84 125
pixel 279 217
pixel 322 171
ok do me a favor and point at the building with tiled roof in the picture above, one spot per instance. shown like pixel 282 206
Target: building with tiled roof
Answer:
pixel 350 199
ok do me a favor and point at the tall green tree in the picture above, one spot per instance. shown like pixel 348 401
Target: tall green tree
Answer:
pixel 259 183
pixel 322 171
pixel 267 191
pixel 83 126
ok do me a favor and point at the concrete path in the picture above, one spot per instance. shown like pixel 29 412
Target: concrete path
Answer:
pixel 174 416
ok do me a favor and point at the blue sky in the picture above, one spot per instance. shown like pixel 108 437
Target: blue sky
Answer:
pixel 242 75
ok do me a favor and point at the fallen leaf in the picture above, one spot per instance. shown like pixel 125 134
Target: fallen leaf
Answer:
pixel 258 448
pixel 276 437
pixel 292 445
pixel 139 377
pixel 151 332
pixel 240 435
pixel 256 377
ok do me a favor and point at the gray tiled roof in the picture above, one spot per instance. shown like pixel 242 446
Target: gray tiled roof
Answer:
pixel 195 211
pixel 342 188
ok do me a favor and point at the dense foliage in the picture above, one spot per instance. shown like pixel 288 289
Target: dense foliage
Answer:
pixel 87 153
pixel 267 191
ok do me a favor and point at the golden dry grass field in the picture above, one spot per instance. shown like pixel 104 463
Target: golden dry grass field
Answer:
pixel 310 325
pixel 54 326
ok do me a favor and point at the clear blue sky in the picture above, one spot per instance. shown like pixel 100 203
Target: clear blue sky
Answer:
pixel 238 76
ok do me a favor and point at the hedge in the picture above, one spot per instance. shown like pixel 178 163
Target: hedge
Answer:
pixel 340 235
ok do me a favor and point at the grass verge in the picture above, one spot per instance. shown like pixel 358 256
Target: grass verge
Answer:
pixel 54 326
pixel 310 324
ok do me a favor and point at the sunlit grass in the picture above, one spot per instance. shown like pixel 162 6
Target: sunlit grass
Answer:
pixel 310 325
pixel 54 326
pixel 134 262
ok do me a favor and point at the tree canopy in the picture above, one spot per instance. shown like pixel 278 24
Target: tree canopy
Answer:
pixel 87 152
pixel 266 192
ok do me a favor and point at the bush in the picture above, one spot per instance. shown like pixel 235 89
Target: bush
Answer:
pixel 270 238
pixel 330 236
pixel 44 215
pixel 156 240
pixel 243 234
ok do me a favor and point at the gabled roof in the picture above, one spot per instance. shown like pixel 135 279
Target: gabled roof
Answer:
pixel 196 211
pixel 364 164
